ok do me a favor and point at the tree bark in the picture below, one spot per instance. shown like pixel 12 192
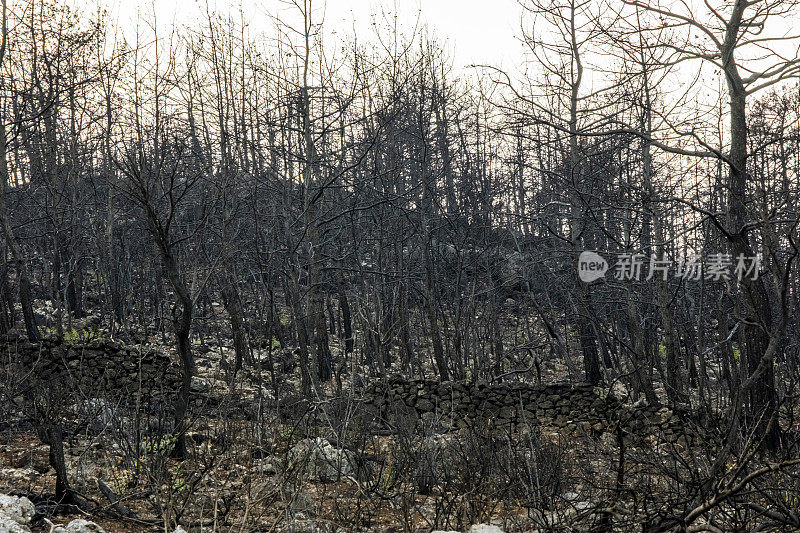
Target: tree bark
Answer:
pixel 230 298
pixel 754 303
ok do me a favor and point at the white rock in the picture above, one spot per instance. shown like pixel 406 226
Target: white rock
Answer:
pixel 318 459
pixel 79 525
pixel 484 528
pixel 179 529
pixel 199 384
pixel 7 525
pixel 618 390
pixel 16 509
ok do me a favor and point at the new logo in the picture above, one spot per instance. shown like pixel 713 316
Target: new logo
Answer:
pixel 591 266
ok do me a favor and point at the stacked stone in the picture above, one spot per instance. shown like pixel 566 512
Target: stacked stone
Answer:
pixel 100 364
pixel 577 409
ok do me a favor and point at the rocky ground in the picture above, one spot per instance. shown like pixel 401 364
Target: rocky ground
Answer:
pixel 395 455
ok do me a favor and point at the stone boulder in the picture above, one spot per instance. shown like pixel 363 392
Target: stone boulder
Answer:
pixel 79 525
pixel 7 525
pixel 484 528
pixel 319 459
pixel 15 514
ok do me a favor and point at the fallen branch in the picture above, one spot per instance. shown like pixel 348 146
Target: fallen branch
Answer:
pixel 114 499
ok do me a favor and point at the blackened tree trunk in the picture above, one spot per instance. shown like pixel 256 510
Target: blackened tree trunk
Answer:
pixel 23 280
pixel 762 398
pixel 347 317
pixel 183 327
pixel 233 305
pixel 53 435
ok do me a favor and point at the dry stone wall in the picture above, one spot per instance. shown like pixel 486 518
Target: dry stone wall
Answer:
pixel 578 409
pixel 99 364
pixel 573 409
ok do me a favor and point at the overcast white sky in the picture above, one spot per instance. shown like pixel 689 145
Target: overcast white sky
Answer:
pixel 476 31
pixel 472 31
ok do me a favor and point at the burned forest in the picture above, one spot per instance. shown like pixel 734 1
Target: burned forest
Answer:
pixel 263 270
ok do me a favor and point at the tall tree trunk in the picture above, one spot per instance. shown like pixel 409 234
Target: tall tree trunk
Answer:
pixel 20 267
pixel 762 399
pixel 6 301
pixel 433 319
pixel 183 326
pixel 52 434
pixel 301 329
pixel 347 318
pixel 230 298
pixel 586 335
